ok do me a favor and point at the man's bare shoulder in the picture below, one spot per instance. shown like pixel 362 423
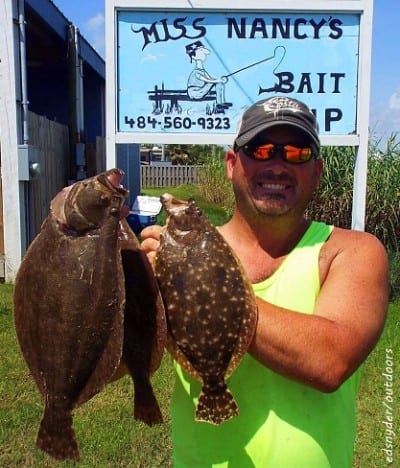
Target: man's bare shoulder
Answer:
pixel 349 236
pixel 346 246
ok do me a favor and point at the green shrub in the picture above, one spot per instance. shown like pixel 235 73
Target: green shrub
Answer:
pixel 394 278
pixel 332 201
pixel 214 185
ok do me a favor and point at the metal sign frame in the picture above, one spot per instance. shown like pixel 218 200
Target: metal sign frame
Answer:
pixel 131 26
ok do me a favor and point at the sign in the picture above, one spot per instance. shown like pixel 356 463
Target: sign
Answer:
pixel 196 72
pixel 183 71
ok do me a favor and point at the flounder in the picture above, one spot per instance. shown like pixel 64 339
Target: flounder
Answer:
pixel 69 305
pixel 210 305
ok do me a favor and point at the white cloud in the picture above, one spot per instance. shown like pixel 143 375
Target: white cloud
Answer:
pixel 385 117
pixel 94 31
pixel 95 22
pixel 394 101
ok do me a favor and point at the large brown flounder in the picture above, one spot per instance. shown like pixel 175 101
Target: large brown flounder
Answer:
pixel 210 306
pixel 69 302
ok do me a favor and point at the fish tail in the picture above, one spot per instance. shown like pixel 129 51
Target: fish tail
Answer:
pixel 56 435
pixel 146 408
pixel 215 407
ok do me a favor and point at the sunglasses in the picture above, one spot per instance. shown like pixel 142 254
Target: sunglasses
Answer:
pixel 289 153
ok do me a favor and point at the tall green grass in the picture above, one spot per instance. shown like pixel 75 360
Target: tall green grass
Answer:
pixel 332 201
pixel 214 185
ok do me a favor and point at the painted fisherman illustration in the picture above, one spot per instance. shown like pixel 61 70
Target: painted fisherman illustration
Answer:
pixel 201 86
pixel 200 82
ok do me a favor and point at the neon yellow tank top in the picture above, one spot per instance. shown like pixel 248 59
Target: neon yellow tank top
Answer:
pixel 282 424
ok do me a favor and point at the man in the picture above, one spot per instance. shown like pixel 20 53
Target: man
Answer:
pixel 322 299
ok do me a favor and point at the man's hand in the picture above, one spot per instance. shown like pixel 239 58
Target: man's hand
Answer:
pixel 150 241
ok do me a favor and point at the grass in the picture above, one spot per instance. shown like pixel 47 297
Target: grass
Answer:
pixel 373 396
pixel 107 434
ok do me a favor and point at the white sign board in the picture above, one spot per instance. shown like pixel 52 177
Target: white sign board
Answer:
pixel 184 71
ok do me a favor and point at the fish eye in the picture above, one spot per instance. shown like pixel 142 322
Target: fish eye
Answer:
pixel 105 199
pixel 114 211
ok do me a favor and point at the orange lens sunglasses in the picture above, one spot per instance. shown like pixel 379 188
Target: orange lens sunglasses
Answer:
pixel 289 153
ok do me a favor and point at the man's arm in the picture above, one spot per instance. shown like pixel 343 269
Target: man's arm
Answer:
pixel 322 350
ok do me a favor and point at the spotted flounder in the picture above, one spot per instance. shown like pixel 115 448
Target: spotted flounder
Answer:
pixel 210 305
pixel 69 304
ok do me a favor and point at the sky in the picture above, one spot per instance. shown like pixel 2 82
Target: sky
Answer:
pixel 89 17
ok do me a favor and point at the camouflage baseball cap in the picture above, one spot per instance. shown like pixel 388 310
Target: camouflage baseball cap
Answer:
pixel 273 111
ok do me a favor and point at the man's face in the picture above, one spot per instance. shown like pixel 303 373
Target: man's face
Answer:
pixel 274 187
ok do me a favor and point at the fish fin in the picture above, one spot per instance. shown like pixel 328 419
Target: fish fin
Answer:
pixel 160 342
pixel 246 335
pixel 56 435
pixel 146 408
pixel 180 358
pixel 216 407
